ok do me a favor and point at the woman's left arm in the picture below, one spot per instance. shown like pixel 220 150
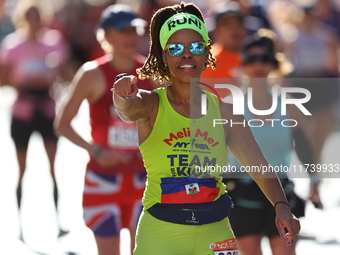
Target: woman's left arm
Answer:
pixel 244 147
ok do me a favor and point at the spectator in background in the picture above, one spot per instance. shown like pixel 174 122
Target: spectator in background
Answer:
pixel 77 21
pixel 253 215
pixel 329 13
pixel 228 33
pixel 115 175
pixel 255 15
pixel 30 61
pixel 312 47
pixel 314 41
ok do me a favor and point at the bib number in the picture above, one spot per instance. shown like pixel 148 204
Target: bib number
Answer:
pixel 230 252
pixel 123 138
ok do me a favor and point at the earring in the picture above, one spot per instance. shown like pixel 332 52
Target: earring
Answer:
pixel 166 67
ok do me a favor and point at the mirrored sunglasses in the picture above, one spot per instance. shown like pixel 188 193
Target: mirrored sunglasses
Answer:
pixel 177 49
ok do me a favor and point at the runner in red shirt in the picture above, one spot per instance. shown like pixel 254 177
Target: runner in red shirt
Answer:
pixel 115 175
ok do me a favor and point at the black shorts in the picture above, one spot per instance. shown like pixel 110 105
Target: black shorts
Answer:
pixel 32 112
pixel 253 213
pixel 246 221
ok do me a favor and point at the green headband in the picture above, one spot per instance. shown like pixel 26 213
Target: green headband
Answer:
pixel 182 21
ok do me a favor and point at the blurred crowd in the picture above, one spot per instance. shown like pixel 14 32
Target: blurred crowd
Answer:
pixel 77 21
pixel 306 36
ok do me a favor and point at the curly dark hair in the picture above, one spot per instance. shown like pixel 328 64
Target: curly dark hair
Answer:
pixel 154 67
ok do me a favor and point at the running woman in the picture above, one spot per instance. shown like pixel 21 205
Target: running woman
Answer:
pixel 186 211
pixel 115 175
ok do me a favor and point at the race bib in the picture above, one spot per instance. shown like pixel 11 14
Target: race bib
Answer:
pixel 230 252
pixel 125 138
pixel 226 247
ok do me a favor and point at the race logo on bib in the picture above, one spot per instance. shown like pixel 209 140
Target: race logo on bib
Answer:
pixel 230 252
pixel 226 247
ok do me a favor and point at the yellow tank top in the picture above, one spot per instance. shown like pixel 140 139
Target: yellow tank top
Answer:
pixel 183 158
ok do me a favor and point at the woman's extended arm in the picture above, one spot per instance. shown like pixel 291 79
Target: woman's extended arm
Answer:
pixel 132 103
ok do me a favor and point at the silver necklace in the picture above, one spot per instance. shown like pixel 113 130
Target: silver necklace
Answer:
pixel 192 119
pixel 184 112
pixel 187 115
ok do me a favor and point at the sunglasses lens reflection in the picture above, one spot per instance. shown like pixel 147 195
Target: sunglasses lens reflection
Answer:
pixel 196 48
pixel 177 49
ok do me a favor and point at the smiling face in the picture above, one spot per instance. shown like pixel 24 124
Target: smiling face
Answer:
pixel 187 65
